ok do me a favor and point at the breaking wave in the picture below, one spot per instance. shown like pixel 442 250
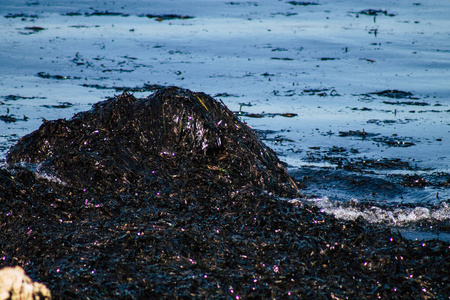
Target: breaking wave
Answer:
pixel 413 222
pixel 398 215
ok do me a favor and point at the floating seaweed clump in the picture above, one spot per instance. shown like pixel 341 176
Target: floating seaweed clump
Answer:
pixel 396 94
pixel 171 196
pixel 301 3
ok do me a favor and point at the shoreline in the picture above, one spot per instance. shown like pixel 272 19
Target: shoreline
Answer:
pixel 182 200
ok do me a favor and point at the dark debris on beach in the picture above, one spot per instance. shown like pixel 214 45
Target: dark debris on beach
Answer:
pixel 171 196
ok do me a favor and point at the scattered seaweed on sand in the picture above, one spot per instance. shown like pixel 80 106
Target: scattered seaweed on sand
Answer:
pixel 146 87
pixel 302 3
pixel 416 103
pixel 374 12
pixel 12 118
pixel 391 141
pixel 23 16
pixel 106 13
pixel 262 115
pixel 165 17
pixel 395 141
pixel 321 92
pixel 357 133
pixel 161 17
pixel 32 29
pixel 172 196
pixel 18 97
pixel 57 77
pixel 59 105
pixel 396 94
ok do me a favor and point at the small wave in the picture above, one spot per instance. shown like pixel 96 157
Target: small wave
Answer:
pixel 397 216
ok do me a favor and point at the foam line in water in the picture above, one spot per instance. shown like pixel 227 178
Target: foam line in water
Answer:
pixel 397 216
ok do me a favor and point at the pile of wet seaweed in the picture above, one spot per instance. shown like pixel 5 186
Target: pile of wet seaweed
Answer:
pixel 172 196
pixel 183 141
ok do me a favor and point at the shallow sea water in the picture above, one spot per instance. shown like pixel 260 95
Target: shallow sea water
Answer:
pixel 310 77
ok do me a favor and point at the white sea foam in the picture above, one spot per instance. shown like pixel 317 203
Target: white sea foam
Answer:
pixel 51 178
pixel 397 216
pixel 38 172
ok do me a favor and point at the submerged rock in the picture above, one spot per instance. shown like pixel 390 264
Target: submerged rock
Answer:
pixel 172 135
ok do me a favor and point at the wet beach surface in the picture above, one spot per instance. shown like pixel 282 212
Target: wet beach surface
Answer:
pixel 173 196
pixel 353 96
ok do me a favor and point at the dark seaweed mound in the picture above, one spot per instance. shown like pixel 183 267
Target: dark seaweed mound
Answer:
pixel 172 196
pixel 184 141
